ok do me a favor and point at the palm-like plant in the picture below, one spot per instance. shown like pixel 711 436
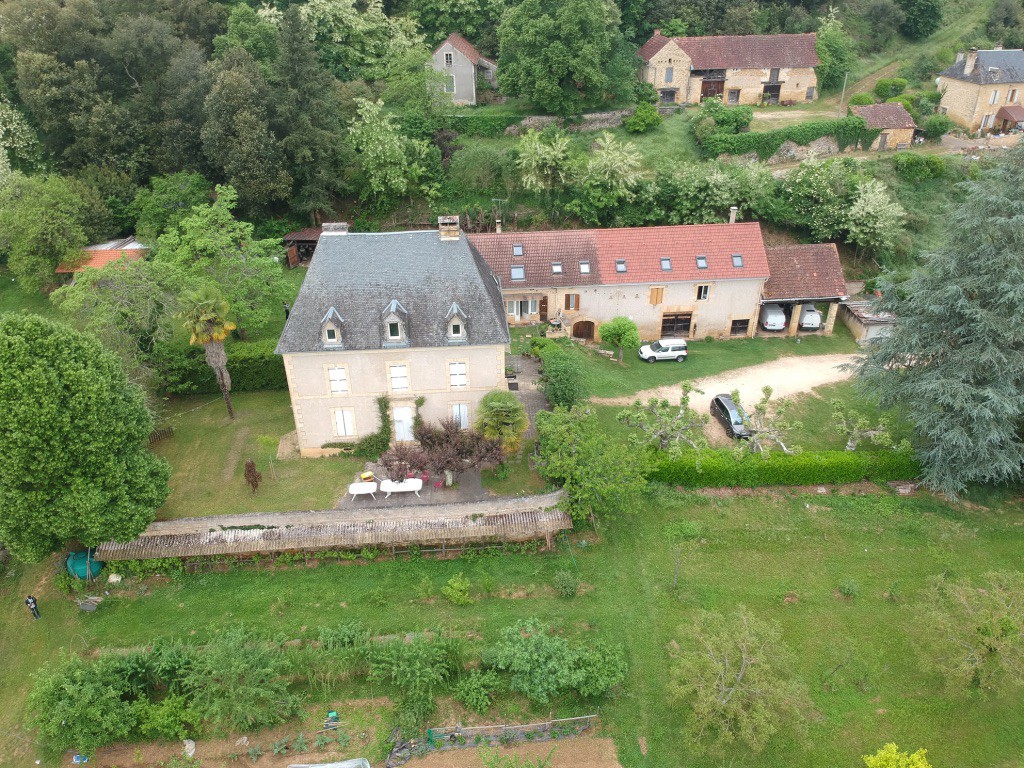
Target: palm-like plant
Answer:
pixel 204 315
pixel 502 418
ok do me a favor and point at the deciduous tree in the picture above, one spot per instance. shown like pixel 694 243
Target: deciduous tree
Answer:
pixel 954 361
pixel 544 160
pixel 167 201
pixel 74 463
pixel 920 17
pixel 668 427
pixel 874 221
pixel 620 332
pixel 767 424
pixel 836 51
pixel 855 427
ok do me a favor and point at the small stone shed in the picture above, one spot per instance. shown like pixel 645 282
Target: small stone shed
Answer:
pixel 895 123
pixel 864 322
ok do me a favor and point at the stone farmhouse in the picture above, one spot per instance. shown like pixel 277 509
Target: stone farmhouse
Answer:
pixel 982 90
pixel 895 123
pixel 402 314
pixel 460 62
pixel 739 69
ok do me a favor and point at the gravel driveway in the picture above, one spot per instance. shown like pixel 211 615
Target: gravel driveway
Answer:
pixel 786 376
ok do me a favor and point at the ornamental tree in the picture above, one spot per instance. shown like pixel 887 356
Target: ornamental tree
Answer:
pixel 620 332
pixel 890 756
pixel 502 417
pixel 666 426
pixel 954 361
pixel 204 315
pixel 767 427
pixel 74 463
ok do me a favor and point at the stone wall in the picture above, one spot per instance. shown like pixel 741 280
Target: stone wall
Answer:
pixel 595 121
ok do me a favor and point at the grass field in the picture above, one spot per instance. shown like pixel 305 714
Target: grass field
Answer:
pixel 783 557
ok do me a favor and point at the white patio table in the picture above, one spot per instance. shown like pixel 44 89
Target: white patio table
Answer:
pixel 360 488
pixel 412 485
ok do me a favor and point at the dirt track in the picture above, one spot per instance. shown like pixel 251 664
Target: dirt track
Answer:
pixel 583 752
pixel 786 376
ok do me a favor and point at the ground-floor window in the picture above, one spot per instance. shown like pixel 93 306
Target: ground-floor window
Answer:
pixel 986 122
pixel 739 328
pixel 460 412
pixel 734 95
pixel 403 423
pixel 344 421
pixel 675 324
pixel 810 93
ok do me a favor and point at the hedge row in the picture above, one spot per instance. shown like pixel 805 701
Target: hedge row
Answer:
pixel 720 468
pixel 253 367
pixel 848 131
pixel 489 123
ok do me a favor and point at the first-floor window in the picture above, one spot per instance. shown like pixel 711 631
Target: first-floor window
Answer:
pixel 399 378
pixel 403 423
pixel 810 93
pixel 675 324
pixel 457 374
pixel 339 380
pixel 449 86
pixel 572 301
pixel 345 422
pixel 460 412
pixel 702 292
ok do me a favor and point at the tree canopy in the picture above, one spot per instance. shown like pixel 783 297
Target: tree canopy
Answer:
pixel 74 463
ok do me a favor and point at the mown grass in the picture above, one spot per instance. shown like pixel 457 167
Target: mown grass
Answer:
pixel 860 658
pixel 606 378
pixel 14 299
pixel 208 452
pixel 817 430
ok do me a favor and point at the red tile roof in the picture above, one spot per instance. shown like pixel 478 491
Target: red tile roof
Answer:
pixel 892 115
pixel 741 51
pixel 98 256
pixel 466 48
pixel 641 248
pixel 1012 112
pixel 805 272
pixel 309 234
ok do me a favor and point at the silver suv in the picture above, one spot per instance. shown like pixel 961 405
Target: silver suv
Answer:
pixel 664 349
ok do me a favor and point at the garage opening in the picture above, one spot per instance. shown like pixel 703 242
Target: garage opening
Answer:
pixel 676 325
pixel 584 329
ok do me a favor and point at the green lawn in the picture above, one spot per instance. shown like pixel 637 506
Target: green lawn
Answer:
pixel 14 299
pixel 208 453
pixel 814 412
pixel 860 658
pixel 606 378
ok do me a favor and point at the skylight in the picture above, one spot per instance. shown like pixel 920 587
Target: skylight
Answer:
pixel 666 265
pixel 556 267
pixel 518 273
pixel 702 262
pixel 620 265
pixel 737 259
pixel 584 267
pixel 517 249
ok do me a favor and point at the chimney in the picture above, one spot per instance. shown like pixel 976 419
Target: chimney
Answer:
pixel 497 226
pixel 970 61
pixel 959 56
pixel 448 227
pixel 998 46
pixel 335 228
pixel 657 32
pixel 732 214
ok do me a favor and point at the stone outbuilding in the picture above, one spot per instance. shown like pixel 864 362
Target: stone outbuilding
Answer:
pixel 895 123
pixel 738 69
pixel 864 322
pixel 981 84
pixel 460 62
pixel 805 274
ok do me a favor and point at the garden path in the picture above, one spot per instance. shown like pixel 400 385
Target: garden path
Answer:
pixel 786 376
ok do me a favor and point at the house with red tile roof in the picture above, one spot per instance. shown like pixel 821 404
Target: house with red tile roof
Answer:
pixel 460 63
pixel 99 255
pixel 687 281
pixel 739 69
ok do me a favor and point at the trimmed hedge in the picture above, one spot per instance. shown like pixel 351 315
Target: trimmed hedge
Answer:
pixel 720 468
pixel 253 367
pixel 485 123
pixel 848 131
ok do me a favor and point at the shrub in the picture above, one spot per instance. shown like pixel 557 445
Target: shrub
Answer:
pixel 908 103
pixel 849 589
pixel 456 591
pixel 937 126
pixel 917 168
pixel 372 446
pixel 562 376
pixel 644 118
pixel 485 122
pixel 861 99
pixel 566 583
pixel 253 367
pixel 349 635
pixel 477 169
pixel 890 86
pixel 415 669
pixel 720 468
pixel 890 756
pixel 475 690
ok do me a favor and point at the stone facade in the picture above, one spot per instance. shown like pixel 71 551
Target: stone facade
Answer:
pixel 894 138
pixel 671 73
pixel 368 375
pixel 646 304
pixel 973 106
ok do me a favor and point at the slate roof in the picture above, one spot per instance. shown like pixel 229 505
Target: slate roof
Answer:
pixel 741 51
pixel 466 48
pixel 805 272
pixel 360 274
pixel 881 116
pixel 98 256
pixel 641 248
pixel 1009 63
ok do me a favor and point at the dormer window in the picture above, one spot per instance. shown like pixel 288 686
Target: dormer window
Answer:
pixel 394 331
pixel 330 328
pixel 620 265
pixel 517 249
pixel 666 265
pixel 456 319
pixel 737 260
pixel 584 267
pixel 456 329
pixel 556 267
pixel 518 272
pixel 395 320
pixel 331 335
pixel 702 262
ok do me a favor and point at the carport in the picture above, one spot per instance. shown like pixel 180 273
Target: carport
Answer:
pixel 805 274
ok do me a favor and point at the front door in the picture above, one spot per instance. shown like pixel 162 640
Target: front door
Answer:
pixel 883 142
pixel 543 309
pixel 524 309
pixel 711 88
pixel 771 93
pixel 403 424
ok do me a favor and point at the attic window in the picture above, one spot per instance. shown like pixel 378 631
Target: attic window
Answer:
pixel 666 265
pixel 448 58
pixel 584 267
pixel 556 267
pixel 737 260
pixel 331 335
pixel 394 331
pixel 620 265
pixel 456 330
pixel 518 272
pixel 702 262
pixel 517 249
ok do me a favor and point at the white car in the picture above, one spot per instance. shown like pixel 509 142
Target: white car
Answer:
pixel 810 318
pixel 664 349
pixel 772 318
